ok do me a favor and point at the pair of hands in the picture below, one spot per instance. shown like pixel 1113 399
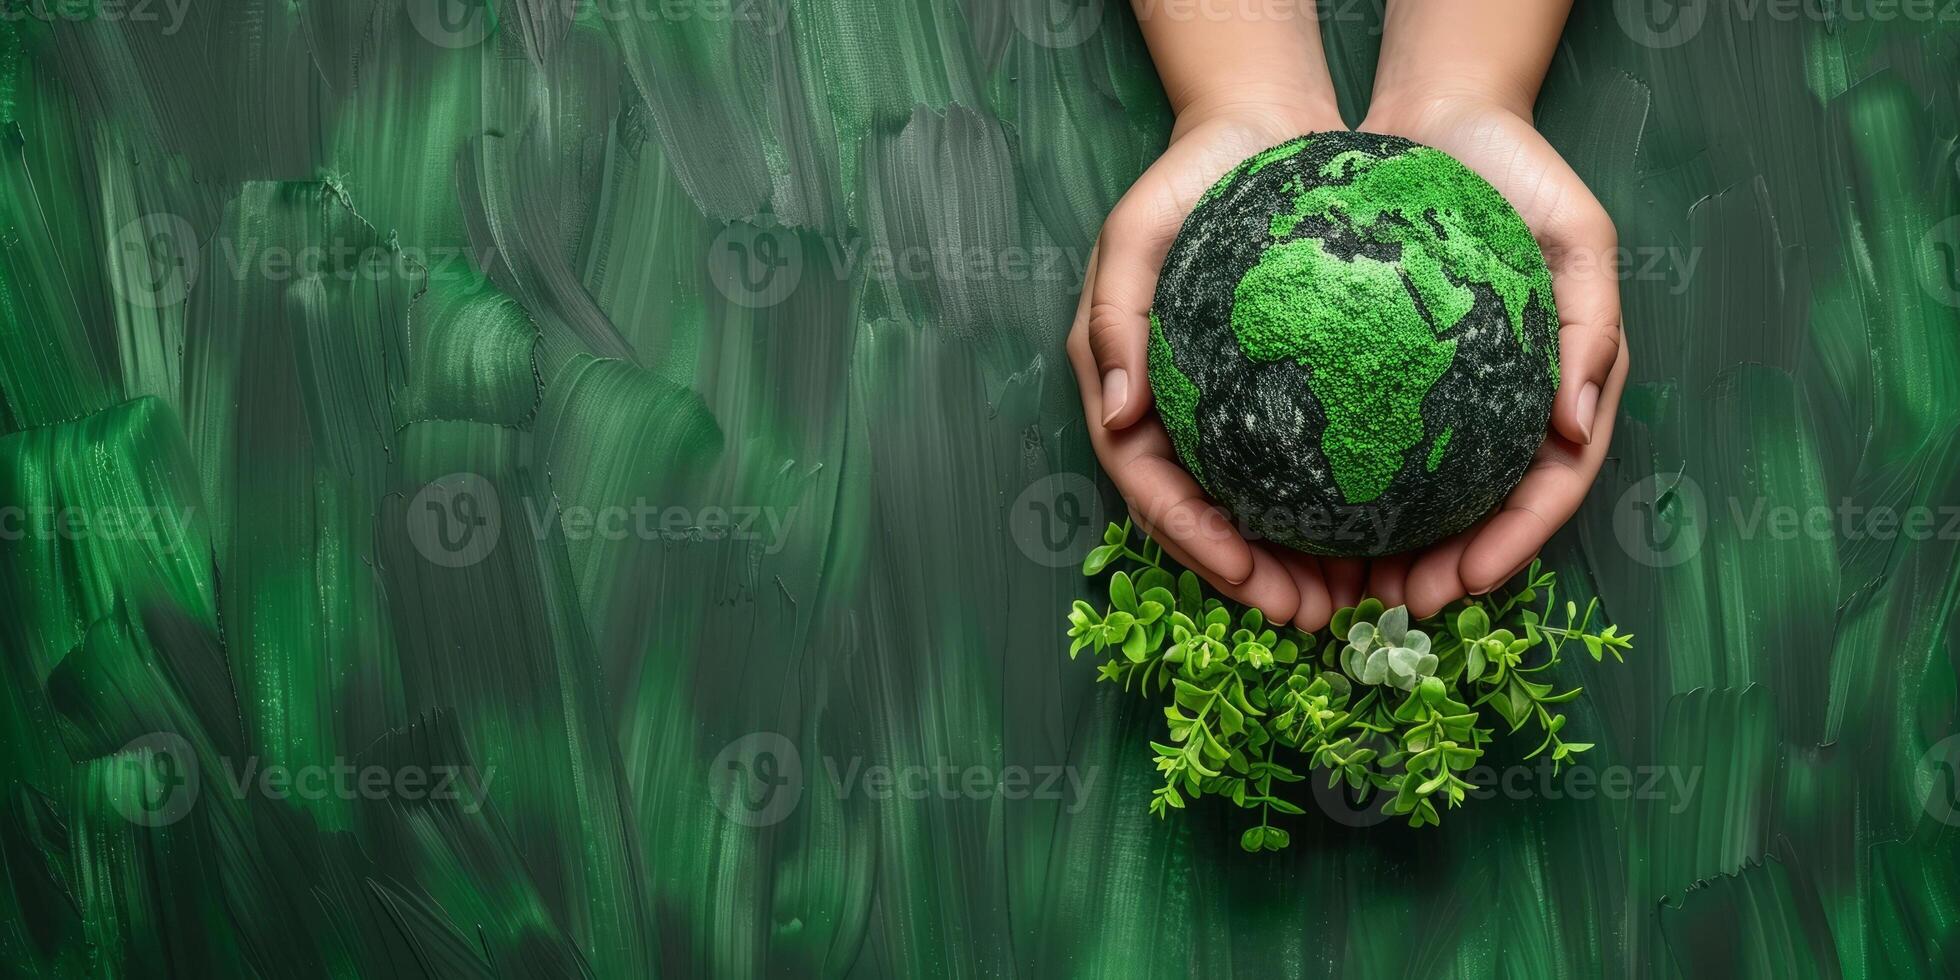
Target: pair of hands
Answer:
pixel 1108 342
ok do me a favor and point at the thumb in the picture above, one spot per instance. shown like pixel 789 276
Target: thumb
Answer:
pixel 1130 251
pixel 1586 287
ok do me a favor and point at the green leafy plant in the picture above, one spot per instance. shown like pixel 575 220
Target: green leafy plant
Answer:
pixel 1396 710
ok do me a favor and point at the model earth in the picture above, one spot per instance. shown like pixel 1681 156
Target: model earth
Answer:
pixel 1353 344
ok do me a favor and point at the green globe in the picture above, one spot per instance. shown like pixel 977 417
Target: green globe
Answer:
pixel 1353 344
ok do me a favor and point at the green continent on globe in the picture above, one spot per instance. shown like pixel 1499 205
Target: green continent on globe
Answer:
pixel 1353 344
pixel 1349 340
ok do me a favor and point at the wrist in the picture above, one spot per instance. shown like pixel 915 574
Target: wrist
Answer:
pixel 1412 114
pixel 1296 109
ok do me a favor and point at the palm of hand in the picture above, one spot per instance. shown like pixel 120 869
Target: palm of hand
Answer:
pixel 1110 333
pixel 1106 348
pixel 1579 243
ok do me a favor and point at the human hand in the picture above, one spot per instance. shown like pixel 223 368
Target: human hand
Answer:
pixel 1107 349
pixel 1498 141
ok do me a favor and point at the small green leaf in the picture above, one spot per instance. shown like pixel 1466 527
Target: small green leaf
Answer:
pixel 1434 693
pixel 1253 839
pixel 1190 595
pixel 1122 594
pixel 1230 719
pixel 1283 806
pixel 1343 621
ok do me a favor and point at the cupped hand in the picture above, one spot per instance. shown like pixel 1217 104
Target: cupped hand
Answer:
pixel 1579 243
pixel 1107 348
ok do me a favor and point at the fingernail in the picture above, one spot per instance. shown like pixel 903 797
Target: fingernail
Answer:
pixel 1588 404
pixel 1116 393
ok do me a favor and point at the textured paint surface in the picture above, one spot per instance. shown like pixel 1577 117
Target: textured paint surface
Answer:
pixel 659 425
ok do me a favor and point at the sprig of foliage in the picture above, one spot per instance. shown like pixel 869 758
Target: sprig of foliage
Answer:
pixel 1391 708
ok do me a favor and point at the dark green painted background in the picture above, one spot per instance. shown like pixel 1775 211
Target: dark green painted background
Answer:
pixel 268 271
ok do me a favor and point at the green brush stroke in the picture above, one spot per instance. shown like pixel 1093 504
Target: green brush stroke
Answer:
pixel 581 172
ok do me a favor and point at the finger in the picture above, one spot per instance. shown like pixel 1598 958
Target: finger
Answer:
pixel 1270 588
pixel 1164 497
pixel 1159 492
pixel 1134 241
pixel 1434 581
pixel 1586 288
pixel 1552 490
pixel 1165 501
pixel 1387 577
pixel 1316 603
pixel 1344 580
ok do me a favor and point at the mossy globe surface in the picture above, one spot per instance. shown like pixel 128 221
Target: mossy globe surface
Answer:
pixel 1353 344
